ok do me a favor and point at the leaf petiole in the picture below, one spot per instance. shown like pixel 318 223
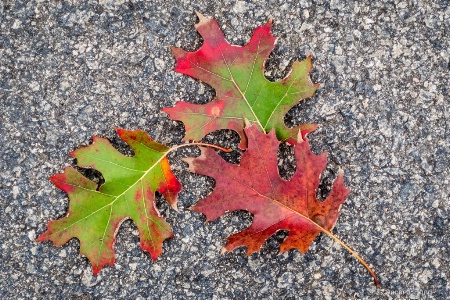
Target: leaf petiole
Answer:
pixel 227 150
pixel 352 252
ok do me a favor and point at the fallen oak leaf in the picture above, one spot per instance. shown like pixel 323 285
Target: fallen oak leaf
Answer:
pixel 96 213
pixel 277 204
pixel 242 91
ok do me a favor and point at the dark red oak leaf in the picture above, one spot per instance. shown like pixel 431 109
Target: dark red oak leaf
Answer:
pixel 277 204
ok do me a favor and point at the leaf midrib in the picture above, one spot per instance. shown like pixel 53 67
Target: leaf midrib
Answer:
pixel 263 127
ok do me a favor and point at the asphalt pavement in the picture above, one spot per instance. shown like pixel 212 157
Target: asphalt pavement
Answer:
pixel 73 69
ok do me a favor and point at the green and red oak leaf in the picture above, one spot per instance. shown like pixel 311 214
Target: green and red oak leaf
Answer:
pixel 96 213
pixel 242 91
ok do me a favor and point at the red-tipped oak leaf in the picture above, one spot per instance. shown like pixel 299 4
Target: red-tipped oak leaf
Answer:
pixel 95 213
pixel 277 204
pixel 242 91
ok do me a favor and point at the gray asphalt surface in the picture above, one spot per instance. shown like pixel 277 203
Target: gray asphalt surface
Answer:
pixel 73 69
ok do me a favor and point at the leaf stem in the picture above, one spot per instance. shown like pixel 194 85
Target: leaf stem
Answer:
pixel 228 150
pixel 352 252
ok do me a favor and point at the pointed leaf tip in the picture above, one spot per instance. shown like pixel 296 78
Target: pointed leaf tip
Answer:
pixel 201 17
pixel 177 52
pixel 42 237
pixel 96 270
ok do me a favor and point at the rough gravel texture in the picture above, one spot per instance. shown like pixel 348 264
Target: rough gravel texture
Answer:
pixel 73 69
